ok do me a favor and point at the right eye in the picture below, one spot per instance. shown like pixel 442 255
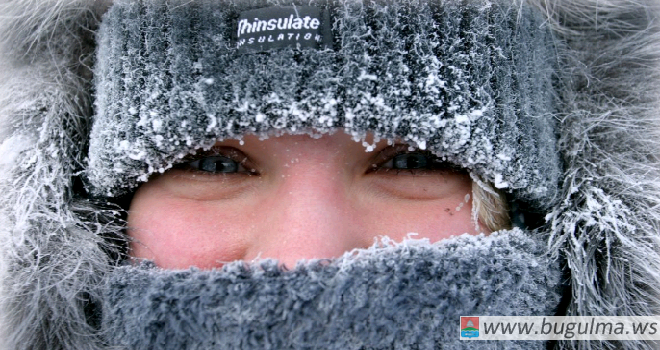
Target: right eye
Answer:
pixel 219 161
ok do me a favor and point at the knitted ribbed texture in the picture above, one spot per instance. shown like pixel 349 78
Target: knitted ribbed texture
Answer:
pixel 469 80
pixel 397 296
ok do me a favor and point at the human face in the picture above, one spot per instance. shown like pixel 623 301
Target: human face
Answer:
pixel 294 197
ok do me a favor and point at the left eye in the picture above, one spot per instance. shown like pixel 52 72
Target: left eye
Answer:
pixel 410 161
pixel 404 161
pixel 215 165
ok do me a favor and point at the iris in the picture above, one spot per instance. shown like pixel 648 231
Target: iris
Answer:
pixel 215 164
pixel 410 161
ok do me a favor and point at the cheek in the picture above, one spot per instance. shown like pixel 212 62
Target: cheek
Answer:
pixel 176 233
pixel 299 221
pixel 435 220
pixel 441 217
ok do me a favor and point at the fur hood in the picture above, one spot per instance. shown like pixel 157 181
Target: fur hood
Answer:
pixel 57 243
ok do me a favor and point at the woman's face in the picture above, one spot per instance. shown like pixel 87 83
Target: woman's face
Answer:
pixel 294 197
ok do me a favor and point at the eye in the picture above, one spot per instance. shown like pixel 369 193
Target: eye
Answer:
pixel 216 164
pixel 401 159
pixel 218 160
pixel 401 172
pixel 409 161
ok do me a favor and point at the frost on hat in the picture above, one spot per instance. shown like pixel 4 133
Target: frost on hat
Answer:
pixel 471 81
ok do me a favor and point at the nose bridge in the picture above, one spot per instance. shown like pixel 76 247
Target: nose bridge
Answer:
pixel 309 217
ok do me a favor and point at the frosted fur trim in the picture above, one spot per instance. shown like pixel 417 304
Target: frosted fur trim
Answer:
pixel 51 238
pixel 607 225
pixel 453 77
pixel 408 295
pixel 605 228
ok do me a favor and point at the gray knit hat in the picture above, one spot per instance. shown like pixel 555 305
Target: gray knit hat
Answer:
pixel 471 81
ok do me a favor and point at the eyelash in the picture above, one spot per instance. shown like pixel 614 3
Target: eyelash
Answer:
pixel 193 163
pixel 432 163
pixel 389 155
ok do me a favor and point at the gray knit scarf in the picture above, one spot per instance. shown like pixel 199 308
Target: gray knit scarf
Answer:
pixel 407 295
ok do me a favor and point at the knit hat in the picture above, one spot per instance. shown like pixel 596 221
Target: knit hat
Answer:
pixel 471 81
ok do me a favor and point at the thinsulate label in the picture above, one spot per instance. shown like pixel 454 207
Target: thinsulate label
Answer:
pixel 270 28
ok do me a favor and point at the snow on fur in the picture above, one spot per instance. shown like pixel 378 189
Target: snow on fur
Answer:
pixel 605 227
pixel 51 239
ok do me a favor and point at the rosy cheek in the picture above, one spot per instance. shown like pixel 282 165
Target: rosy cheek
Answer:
pixel 434 207
pixel 179 233
pixel 435 221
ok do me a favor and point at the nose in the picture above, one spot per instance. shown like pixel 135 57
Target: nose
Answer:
pixel 311 215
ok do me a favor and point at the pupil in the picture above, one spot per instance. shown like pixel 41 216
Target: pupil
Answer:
pixel 218 165
pixel 410 161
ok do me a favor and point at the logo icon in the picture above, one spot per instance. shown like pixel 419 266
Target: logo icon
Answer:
pixel 469 327
pixel 269 28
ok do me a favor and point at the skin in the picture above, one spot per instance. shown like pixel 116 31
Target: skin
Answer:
pixel 294 198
